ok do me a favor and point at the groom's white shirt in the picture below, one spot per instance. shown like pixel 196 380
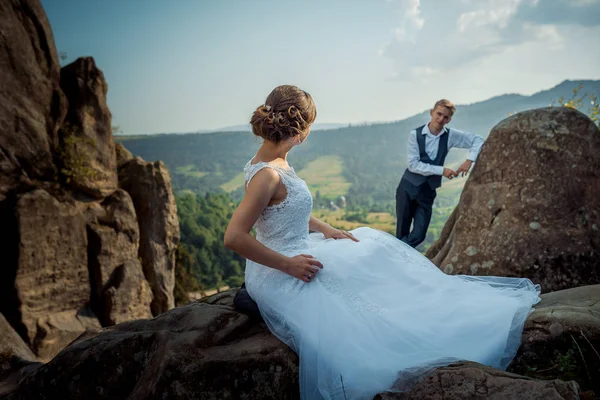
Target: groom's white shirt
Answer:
pixel 456 138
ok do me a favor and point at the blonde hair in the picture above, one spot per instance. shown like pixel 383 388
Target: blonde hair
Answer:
pixel 445 103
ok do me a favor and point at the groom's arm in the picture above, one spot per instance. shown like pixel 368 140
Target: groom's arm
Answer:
pixel 414 159
pixel 466 140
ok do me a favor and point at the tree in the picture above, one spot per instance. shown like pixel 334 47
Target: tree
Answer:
pixel 584 102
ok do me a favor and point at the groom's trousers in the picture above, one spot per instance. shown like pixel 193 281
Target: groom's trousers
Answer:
pixel 414 205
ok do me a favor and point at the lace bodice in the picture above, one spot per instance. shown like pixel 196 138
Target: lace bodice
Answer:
pixel 283 227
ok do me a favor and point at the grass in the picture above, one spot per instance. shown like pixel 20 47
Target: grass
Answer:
pixel 233 184
pixel 124 138
pixel 184 192
pixel 382 221
pixel 325 176
pixel 189 171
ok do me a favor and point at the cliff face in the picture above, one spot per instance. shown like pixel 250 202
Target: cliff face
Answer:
pixel 207 350
pixel 531 205
pixel 74 256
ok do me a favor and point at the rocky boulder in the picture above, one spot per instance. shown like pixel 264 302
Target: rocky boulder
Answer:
pixel 13 369
pixel 88 155
pixel 119 289
pixel 530 207
pixel 472 381
pixel 123 155
pixel 204 350
pixel 11 343
pixel 208 350
pixel 149 185
pixel 32 105
pixel 69 237
pixel 51 279
pixel 561 338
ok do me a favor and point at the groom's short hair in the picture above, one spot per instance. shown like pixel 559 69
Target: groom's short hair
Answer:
pixel 446 103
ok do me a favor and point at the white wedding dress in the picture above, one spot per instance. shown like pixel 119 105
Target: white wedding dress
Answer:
pixel 379 314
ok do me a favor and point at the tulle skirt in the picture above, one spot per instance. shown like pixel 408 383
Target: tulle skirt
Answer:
pixel 379 315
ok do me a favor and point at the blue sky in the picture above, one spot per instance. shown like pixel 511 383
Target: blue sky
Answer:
pixel 188 65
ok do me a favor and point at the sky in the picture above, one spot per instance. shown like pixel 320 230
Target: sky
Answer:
pixel 190 65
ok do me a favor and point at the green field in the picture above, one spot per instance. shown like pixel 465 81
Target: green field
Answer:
pixel 450 191
pixel 189 171
pixel 325 176
pixel 382 221
pixel 236 182
pixel 184 192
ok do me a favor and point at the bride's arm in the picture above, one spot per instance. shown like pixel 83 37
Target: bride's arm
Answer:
pixel 315 224
pixel 261 189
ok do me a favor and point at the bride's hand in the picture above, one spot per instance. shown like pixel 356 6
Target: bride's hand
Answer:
pixel 303 267
pixel 338 234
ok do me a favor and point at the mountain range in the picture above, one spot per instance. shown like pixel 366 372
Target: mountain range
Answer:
pixel 372 156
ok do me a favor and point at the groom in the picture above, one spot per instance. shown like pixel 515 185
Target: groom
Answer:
pixel 428 146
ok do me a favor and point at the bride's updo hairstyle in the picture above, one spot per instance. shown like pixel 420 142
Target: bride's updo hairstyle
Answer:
pixel 288 112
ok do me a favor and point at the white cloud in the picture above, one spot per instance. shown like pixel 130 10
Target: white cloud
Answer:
pixel 495 13
pixel 460 32
pixel 411 21
pixel 546 33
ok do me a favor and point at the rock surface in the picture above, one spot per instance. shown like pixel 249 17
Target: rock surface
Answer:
pixel 32 105
pixel 69 237
pixel 11 343
pixel 208 350
pixel 472 381
pixel 204 350
pixel 52 278
pixel 119 289
pixel 561 338
pixel 123 155
pixel 87 148
pixel 530 207
pixel 149 185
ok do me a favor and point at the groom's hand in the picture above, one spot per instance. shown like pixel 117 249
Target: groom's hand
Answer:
pixel 448 173
pixel 464 168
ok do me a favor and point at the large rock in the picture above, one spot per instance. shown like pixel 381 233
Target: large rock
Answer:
pixel 16 358
pixel 530 207
pixel 12 343
pixel 127 296
pixel 472 381
pixel 87 148
pixel 119 289
pixel 60 206
pixel 207 350
pixel 561 338
pixel 123 155
pixel 204 350
pixel 13 369
pixel 51 277
pixel 32 105
pixel 57 329
pixel 149 185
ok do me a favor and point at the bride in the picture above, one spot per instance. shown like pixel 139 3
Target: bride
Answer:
pixel 364 311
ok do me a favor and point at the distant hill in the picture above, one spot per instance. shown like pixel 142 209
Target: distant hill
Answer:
pixel 319 126
pixel 373 156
